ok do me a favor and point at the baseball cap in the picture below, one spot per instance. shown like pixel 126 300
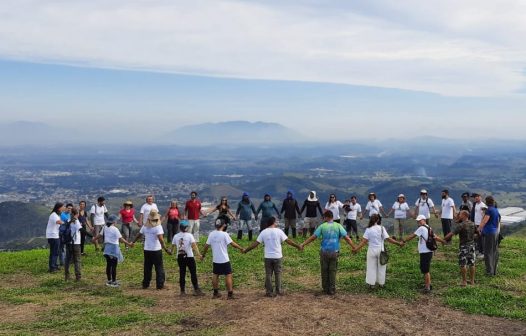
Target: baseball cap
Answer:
pixel 420 217
pixel 423 191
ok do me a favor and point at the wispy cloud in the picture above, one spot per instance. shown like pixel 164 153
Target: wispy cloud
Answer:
pixel 467 48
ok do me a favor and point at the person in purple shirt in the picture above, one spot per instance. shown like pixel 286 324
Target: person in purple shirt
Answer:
pixel 490 228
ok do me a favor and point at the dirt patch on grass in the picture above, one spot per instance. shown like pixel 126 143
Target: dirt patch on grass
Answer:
pixel 307 313
pixel 24 313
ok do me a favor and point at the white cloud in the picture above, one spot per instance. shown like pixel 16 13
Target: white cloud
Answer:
pixel 468 48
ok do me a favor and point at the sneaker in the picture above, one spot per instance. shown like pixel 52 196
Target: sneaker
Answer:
pixel 216 295
pixel 182 293
pixel 230 296
pixel 269 295
pixel 109 283
pixel 115 284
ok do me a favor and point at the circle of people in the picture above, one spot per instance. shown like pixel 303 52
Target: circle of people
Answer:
pixel 477 225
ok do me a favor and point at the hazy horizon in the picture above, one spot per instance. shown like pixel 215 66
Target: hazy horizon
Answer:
pixel 333 71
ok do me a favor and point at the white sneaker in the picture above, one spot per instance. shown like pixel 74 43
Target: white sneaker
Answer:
pixel 109 283
pixel 115 284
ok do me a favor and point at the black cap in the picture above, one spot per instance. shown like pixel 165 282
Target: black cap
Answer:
pixel 445 191
pixel 466 194
pixel 475 195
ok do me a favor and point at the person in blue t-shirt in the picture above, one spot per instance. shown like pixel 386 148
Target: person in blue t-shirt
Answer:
pixel 65 216
pixel 330 232
pixel 490 228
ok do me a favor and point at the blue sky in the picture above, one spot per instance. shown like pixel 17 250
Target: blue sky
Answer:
pixel 338 67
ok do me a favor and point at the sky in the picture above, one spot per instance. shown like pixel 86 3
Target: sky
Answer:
pixel 339 69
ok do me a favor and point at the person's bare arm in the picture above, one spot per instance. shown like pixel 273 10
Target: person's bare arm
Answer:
pixel 204 252
pixel 308 241
pixel 349 241
pixel 294 244
pixel 236 245
pixel 362 243
pixel 252 246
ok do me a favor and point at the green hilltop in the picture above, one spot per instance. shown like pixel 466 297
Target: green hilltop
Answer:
pixel 54 306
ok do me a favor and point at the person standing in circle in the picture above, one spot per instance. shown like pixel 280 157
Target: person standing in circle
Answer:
pixel 245 209
pixel 86 226
pixel 52 235
pixel 374 206
pixel 145 210
pixel 425 206
pixel 401 211
pixel 173 217
pixel 312 206
pixel 192 212
pixel 154 245
pixel 448 212
pixel 334 206
pixel 266 208
pixel 127 217
pixel 98 214
pixel 353 210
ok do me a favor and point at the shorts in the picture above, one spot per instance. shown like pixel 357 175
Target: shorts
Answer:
pixel 310 222
pixel 425 262
pixel 97 229
pixel 222 269
pixel 466 255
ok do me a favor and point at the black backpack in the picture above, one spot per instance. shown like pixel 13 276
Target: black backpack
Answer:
pixel 431 242
pixel 64 232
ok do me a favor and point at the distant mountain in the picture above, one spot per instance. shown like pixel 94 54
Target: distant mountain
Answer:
pixel 235 133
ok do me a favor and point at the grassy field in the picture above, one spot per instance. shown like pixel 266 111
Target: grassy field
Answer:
pixel 37 302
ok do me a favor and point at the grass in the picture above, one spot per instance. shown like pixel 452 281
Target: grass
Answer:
pixel 89 307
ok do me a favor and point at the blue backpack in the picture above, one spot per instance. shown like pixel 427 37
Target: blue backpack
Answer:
pixel 64 233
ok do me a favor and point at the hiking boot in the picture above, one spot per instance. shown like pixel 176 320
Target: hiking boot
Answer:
pixel 182 293
pixel 230 296
pixel 216 295
pixel 269 294
pixel 198 292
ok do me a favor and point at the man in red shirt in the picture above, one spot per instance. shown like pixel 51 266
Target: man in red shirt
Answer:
pixel 192 212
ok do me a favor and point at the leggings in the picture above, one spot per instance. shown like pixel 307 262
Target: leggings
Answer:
pixel 183 263
pixel 111 267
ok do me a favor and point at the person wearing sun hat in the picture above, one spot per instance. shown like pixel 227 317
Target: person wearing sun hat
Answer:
pixel 184 244
pixel 425 206
pixel 127 217
pixel 401 211
pixel 154 245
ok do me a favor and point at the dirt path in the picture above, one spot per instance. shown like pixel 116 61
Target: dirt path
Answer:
pixel 307 314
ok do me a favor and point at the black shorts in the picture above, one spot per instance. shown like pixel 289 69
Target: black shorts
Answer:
pixel 222 269
pixel 425 262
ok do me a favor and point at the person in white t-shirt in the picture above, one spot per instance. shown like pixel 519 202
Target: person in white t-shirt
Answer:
pixel 425 206
pixel 219 240
pixel 52 236
pixel 73 249
pixel 425 254
pixel 334 206
pixel 112 252
pixel 374 206
pixel 375 236
pixel 98 214
pixel 184 244
pixel 477 214
pixel 153 249
pixel 145 210
pixel 401 212
pixel 353 210
pixel 448 212
pixel 272 238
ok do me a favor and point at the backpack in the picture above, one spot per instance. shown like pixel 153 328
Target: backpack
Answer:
pixel 64 233
pixel 431 242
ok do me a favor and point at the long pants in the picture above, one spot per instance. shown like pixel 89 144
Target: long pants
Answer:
pixel 151 259
pixel 329 266
pixel 183 263
pixel 72 255
pixel 446 225
pixel 172 226
pixel 193 228
pixel 491 253
pixel 375 271
pixel 479 243
pixel 126 230
pixel 111 267
pixel 273 266
pixel 61 253
pixel 83 234
pixel 54 246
